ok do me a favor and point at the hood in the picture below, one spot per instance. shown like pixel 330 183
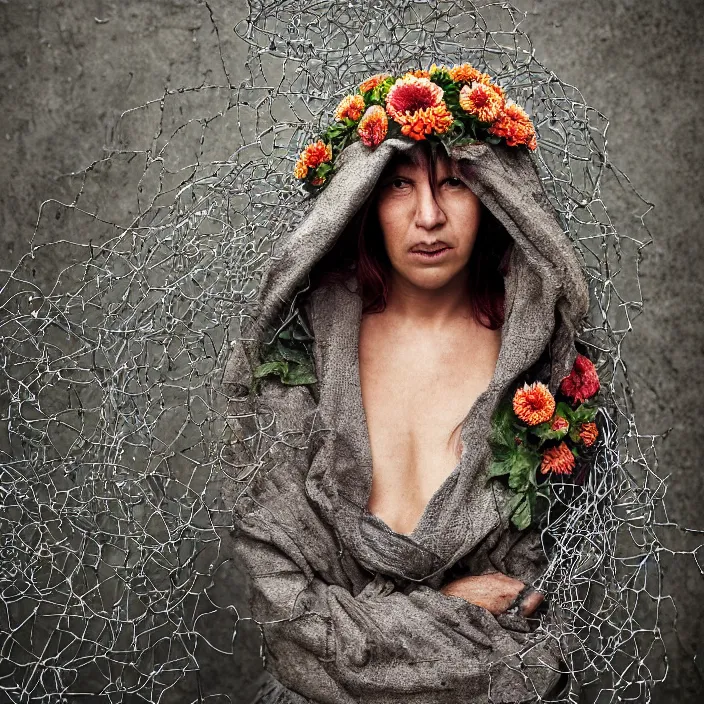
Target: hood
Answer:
pixel 504 178
pixel 546 299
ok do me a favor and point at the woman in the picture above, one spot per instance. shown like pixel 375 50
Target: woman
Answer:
pixel 439 322
pixel 382 562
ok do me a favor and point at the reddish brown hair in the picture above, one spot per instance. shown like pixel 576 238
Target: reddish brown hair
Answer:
pixel 360 250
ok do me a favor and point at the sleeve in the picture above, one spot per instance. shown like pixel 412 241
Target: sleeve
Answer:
pixel 382 645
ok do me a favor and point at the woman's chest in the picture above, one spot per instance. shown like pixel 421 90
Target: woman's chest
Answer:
pixel 416 393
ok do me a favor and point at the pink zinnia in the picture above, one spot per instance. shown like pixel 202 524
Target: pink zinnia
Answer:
pixel 411 94
pixel 373 126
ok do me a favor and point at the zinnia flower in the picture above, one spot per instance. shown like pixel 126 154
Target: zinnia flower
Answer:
pixel 311 157
pixel 425 121
pixel 558 460
pixel 351 107
pixel 417 105
pixel 582 382
pixel 300 170
pixel 419 73
pixel 372 82
pixel 411 94
pixel 515 126
pixel 482 101
pixel 373 126
pixel 534 403
pixel 465 73
pixel 559 423
pixel 589 433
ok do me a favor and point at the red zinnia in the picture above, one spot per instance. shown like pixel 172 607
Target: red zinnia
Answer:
pixel 559 423
pixel 558 460
pixel 582 382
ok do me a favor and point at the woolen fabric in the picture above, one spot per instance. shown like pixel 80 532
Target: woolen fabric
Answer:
pixel 349 609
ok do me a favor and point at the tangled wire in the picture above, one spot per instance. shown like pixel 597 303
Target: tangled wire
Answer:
pixel 113 581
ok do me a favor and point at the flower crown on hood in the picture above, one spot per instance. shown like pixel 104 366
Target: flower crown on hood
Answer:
pixel 456 105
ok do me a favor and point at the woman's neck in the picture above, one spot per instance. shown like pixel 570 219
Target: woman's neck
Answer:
pixel 428 308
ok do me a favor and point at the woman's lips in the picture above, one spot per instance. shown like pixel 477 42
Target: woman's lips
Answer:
pixel 428 256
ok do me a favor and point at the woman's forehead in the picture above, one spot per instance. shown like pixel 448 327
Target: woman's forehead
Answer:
pixel 417 160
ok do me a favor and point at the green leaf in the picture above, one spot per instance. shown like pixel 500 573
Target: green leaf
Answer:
pixel 336 130
pixel 564 409
pixel 584 413
pixel 299 374
pixel 522 516
pixel 514 502
pixel 442 77
pixel 544 432
pixel 503 431
pixel 291 354
pixel 276 367
pixel 498 468
pixel 324 169
pixel 524 462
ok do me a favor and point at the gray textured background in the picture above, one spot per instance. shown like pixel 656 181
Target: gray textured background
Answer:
pixel 66 77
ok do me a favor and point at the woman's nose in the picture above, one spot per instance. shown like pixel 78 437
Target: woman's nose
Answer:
pixel 429 214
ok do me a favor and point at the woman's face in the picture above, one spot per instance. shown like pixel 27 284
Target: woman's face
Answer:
pixel 428 236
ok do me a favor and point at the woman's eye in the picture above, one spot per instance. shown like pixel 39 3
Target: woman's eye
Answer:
pixel 454 182
pixel 398 182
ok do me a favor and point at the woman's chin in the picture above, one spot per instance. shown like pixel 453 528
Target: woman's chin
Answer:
pixel 431 280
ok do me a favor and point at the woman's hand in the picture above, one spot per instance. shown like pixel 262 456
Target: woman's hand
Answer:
pixel 494 591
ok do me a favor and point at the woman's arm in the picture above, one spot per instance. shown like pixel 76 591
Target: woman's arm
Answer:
pixel 381 645
pixel 495 592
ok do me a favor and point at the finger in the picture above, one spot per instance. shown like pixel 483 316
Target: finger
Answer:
pixel 530 602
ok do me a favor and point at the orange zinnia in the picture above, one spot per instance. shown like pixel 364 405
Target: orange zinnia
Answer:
pixel 372 82
pixel 300 170
pixel 465 73
pixel 515 126
pixel 482 101
pixel 373 126
pixel 589 433
pixel 311 157
pixel 351 106
pixel 418 73
pixel 425 121
pixel 534 403
pixel 558 460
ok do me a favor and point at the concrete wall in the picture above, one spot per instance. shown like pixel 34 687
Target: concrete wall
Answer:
pixel 70 67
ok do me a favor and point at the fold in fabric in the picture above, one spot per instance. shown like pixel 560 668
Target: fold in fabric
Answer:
pixel 350 610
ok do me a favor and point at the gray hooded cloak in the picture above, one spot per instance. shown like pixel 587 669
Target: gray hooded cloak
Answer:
pixel 350 610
